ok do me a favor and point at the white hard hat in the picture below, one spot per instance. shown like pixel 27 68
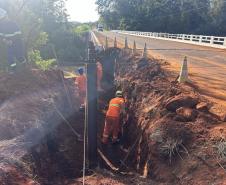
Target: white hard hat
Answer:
pixel 3 13
pixel 118 94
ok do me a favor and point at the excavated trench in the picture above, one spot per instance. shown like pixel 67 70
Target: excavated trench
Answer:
pixel 38 145
pixel 170 137
pixel 170 134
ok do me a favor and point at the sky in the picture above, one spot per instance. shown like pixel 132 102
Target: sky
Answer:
pixel 82 10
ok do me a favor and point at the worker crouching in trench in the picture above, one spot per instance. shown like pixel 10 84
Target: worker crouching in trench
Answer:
pixel 116 110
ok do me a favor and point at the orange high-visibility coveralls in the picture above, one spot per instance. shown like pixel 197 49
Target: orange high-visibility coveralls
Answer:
pixel 99 75
pixel 81 83
pixel 112 120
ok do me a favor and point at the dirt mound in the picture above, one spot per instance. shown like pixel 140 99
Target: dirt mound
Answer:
pixel 181 101
pixel 170 137
pixel 169 124
pixel 25 99
pixel 104 177
pixel 34 136
pixel 26 80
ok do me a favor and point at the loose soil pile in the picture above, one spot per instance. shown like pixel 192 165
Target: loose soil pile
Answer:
pixel 177 140
pixel 36 144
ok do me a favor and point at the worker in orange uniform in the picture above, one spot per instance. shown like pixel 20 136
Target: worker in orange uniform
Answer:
pixel 112 120
pixel 99 75
pixel 81 84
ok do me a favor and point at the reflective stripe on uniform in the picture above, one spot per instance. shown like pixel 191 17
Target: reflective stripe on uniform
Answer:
pixel 115 105
pixel 105 135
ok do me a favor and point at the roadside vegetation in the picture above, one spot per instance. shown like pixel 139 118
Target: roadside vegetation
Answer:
pixel 82 28
pixel 177 16
pixel 47 33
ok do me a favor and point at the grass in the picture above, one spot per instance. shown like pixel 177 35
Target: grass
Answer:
pixel 221 149
pixel 172 148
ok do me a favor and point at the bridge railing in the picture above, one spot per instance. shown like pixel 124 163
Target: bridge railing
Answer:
pixel 212 41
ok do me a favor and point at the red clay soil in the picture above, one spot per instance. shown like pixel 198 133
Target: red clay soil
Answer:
pixel 177 140
pixel 104 177
pixel 36 145
pixel 171 137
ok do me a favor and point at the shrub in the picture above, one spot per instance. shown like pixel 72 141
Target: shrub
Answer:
pixel 82 28
pixel 221 149
pixel 172 148
pixel 35 58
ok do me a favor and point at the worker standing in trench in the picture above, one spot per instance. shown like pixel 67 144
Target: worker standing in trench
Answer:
pixel 99 75
pixel 11 35
pixel 81 81
pixel 112 120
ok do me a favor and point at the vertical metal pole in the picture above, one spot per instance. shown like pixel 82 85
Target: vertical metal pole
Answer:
pixel 92 107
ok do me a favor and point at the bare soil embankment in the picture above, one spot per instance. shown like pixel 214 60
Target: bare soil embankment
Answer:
pixel 36 144
pixel 177 139
pixel 171 137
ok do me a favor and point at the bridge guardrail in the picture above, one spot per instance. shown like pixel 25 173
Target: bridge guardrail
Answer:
pixel 202 40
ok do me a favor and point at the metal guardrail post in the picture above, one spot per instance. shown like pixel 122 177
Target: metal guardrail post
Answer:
pixel 91 107
pixel 200 39
pixel 183 37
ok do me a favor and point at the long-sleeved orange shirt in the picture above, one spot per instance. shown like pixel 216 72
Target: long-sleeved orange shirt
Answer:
pixel 81 82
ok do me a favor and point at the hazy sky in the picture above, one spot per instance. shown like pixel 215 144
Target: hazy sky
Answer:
pixel 82 10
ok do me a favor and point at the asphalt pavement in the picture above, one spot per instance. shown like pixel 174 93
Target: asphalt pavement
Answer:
pixel 207 66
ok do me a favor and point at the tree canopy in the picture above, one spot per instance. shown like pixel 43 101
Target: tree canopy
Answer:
pixel 172 16
pixel 44 25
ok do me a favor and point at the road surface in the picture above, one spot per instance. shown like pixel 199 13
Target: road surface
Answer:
pixel 207 66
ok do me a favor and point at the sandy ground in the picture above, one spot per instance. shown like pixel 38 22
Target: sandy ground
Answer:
pixel 206 65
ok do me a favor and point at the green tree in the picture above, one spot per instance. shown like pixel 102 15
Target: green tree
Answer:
pixel 44 24
pixel 173 16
